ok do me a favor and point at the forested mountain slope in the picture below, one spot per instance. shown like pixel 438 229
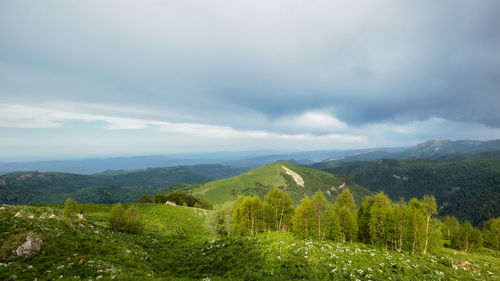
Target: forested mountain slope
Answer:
pixel 107 187
pixel 469 190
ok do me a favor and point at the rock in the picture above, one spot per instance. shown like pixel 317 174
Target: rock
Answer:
pixel 170 203
pixel 80 216
pixel 2 208
pixel 31 217
pixel 32 245
pixel 53 216
pixel 18 215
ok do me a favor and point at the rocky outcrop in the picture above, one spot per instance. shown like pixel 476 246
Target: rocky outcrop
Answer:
pixel 31 246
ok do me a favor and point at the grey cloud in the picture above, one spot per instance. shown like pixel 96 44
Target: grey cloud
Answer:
pixel 248 64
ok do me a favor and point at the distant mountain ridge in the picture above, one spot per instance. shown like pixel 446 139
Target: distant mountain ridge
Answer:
pixel 106 187
pixel 433 149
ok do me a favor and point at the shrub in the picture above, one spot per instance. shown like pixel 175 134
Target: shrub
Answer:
pixel 129 221
pixel 70 208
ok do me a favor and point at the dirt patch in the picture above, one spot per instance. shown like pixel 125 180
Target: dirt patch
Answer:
pixel 296 177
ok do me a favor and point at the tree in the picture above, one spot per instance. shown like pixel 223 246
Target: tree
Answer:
pixel 71 208
pixel 319 206
pixel 303 218
pixel 145 199
pixel 491 234
pixel 278 206
pixel 364 214
pixel 345 207
pixel 395 224
pixel 378 221
pixel 247 216
pixel 415 225
pixel 218 222
pixel 467 238
pixel 450 225
pixel 429 208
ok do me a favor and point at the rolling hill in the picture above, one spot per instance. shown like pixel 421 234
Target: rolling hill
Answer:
pixel 468 190
pixel 296 180
pixel 106 187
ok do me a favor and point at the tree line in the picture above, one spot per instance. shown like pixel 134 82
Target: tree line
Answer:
pixel 402 226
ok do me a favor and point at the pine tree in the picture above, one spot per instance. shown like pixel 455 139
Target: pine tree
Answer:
pixel 364 214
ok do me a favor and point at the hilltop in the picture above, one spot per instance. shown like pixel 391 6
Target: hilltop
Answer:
pixel 297 181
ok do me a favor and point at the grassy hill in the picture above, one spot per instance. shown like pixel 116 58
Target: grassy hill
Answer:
pixel 259 181
pixel 469 190
pixel 106 187
pixel 175 246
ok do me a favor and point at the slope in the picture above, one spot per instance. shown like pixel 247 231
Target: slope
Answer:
pixel 296 180
pixel 107 187
pixel 469 190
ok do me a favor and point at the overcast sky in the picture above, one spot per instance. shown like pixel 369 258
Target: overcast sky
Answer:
pixel 88 77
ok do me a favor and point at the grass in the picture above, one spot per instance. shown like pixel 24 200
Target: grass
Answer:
pixel 259 181
pixel 175 246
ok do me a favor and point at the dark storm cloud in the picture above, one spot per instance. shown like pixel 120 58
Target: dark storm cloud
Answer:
pixel 250 65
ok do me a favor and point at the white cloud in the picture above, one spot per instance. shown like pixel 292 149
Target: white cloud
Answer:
pixel 312 122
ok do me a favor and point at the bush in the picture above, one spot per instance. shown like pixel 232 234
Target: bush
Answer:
pixel 71 208
pixel 129 221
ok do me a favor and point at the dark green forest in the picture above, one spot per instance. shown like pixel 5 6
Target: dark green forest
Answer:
pixel 468 190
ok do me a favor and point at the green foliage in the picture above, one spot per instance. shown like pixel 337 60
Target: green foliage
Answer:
pixel 364 214
pixel 108 187
pixel 90 250
pixel 219 221
pixel 467 238
pixel 182 199
pixel 129 221
pixel 261 180
pixel 491 234
pixel 378 220
pixel 450 225
pixel 248 216
pixel 468 189
pixel 303 219
pixel 278 210
pixel 71 208
pixel 145 199
pixel 345 208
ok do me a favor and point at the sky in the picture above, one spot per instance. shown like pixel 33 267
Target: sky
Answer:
pixel 93 77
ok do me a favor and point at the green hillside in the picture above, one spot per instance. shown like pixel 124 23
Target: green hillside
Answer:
pixel 259 181
pixel 468 190
pixel 175 246
pixel 107 187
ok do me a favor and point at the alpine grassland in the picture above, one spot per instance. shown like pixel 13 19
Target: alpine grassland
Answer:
pixel 176 245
